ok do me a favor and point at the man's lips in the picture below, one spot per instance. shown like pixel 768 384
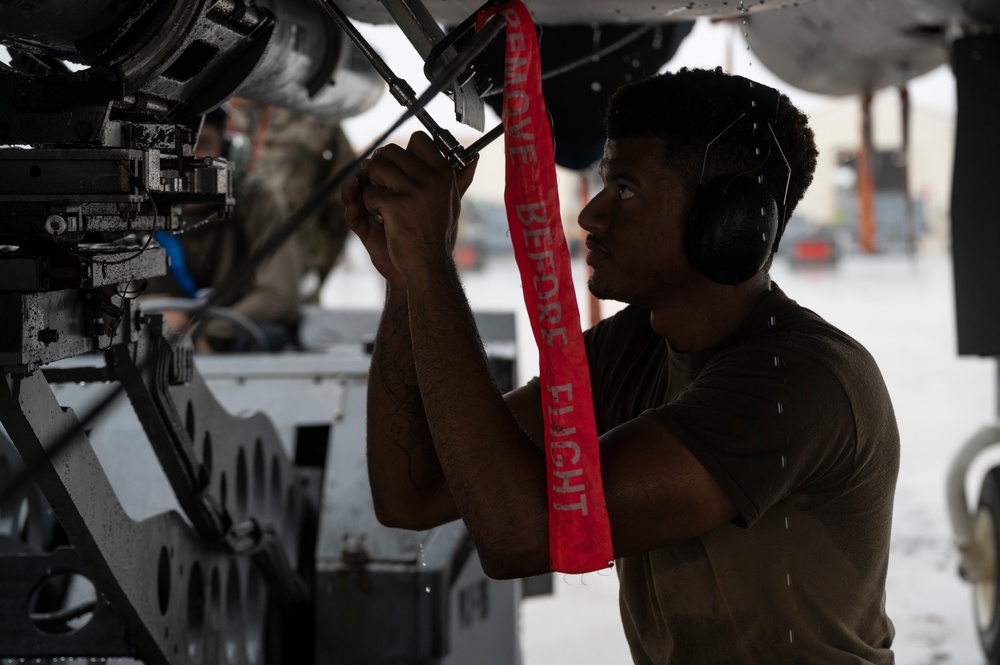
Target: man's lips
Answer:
pixel 597 252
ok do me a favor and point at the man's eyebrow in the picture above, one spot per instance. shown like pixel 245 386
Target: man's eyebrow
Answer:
pixel 616 171
pixel 621 174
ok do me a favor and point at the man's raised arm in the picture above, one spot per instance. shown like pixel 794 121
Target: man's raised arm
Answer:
pixel 408 485
pixel 406 480
pixel 494 471
pixel 485 462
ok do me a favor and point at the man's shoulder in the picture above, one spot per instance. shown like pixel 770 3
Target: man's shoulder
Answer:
pixel 822 361
pixel 795 325
pixel 810 350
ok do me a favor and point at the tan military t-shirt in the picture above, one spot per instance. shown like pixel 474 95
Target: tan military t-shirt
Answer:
pixel 793 420
pixel 218 247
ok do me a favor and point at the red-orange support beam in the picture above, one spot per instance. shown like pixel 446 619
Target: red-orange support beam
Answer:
pixel 866 181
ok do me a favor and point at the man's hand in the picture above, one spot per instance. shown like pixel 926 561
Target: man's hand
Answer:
pixel 417 195
pixel 369 231
pixel 180 322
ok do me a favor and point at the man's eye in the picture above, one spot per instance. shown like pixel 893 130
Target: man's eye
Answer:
pixel 624 192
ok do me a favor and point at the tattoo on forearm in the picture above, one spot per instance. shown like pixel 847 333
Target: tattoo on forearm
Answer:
pixel 406 425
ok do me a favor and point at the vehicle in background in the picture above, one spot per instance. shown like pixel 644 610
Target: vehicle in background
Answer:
pixel 483 232
pixel 807 245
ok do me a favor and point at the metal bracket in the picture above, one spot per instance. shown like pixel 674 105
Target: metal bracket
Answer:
pixel 424 34
pixel 457 155
pixel 25 632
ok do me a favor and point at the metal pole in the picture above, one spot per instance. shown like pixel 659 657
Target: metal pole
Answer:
pixel 909 220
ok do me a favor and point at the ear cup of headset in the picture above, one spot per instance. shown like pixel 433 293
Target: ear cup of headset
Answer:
pixel 731 230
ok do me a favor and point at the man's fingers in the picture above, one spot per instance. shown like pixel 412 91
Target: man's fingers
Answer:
pixel 394 169
pixel 412 187
pixel 393 161
pixel 393 166
pixel 350 191
pixel 356 214
pixel 380 202
pixel 424 147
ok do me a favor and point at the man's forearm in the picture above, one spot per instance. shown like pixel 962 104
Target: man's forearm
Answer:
pixel 406 479
pixel 494 471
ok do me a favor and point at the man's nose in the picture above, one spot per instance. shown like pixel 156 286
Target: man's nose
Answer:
pixel 594 216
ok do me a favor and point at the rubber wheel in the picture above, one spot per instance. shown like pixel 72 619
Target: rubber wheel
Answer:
pixel 985 534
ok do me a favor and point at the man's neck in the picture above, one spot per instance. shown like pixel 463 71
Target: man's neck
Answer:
pixel 709 314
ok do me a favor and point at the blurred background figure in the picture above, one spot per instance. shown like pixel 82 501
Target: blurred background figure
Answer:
pixel 296 153
pixel 209 248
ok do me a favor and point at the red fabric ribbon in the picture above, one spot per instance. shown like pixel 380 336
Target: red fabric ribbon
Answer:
pixel 579 532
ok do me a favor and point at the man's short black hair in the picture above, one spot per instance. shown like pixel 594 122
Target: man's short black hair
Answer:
pixel 716 124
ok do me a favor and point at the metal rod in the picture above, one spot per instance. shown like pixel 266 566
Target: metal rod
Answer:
pixel 489 137
pixel 399 88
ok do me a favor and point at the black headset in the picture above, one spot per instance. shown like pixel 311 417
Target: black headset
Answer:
pixel 734 221
pixel 732 227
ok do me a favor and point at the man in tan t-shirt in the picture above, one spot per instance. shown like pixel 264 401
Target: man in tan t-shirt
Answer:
pixel 749 449
pixel 213 248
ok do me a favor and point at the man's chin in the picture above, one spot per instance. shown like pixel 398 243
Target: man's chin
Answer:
pixel 599 290
pixel 604 291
